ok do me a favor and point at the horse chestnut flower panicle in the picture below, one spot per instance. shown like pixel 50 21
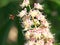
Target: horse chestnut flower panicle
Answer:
pixel 36 25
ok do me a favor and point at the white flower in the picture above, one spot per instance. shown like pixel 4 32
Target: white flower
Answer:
pixel 40 17
pixel 33 13
pixel 37 35
pixel 25 3
pixel 22 13
pixel 27 35
pixel 30 43
pixel 36 21
pixel 50 35
pixel 38 6
pixel 43 20
pixel 49 43
pixel 26 17
pixel 40 42
pixel 27 24
pixel 45 23
pixel 46 33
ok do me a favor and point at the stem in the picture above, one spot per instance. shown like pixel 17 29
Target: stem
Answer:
pixel 29 7
pixel 34 22
pixel 33 18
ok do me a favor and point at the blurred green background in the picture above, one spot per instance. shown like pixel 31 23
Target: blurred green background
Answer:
pixel 7 7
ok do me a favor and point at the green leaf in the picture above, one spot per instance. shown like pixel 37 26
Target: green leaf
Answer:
pixel 6 2
pixel 56 1
pixel 3 3
pixel 57 44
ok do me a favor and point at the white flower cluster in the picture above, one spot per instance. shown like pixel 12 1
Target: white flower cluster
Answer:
pixel 39 36
pixel 36 25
